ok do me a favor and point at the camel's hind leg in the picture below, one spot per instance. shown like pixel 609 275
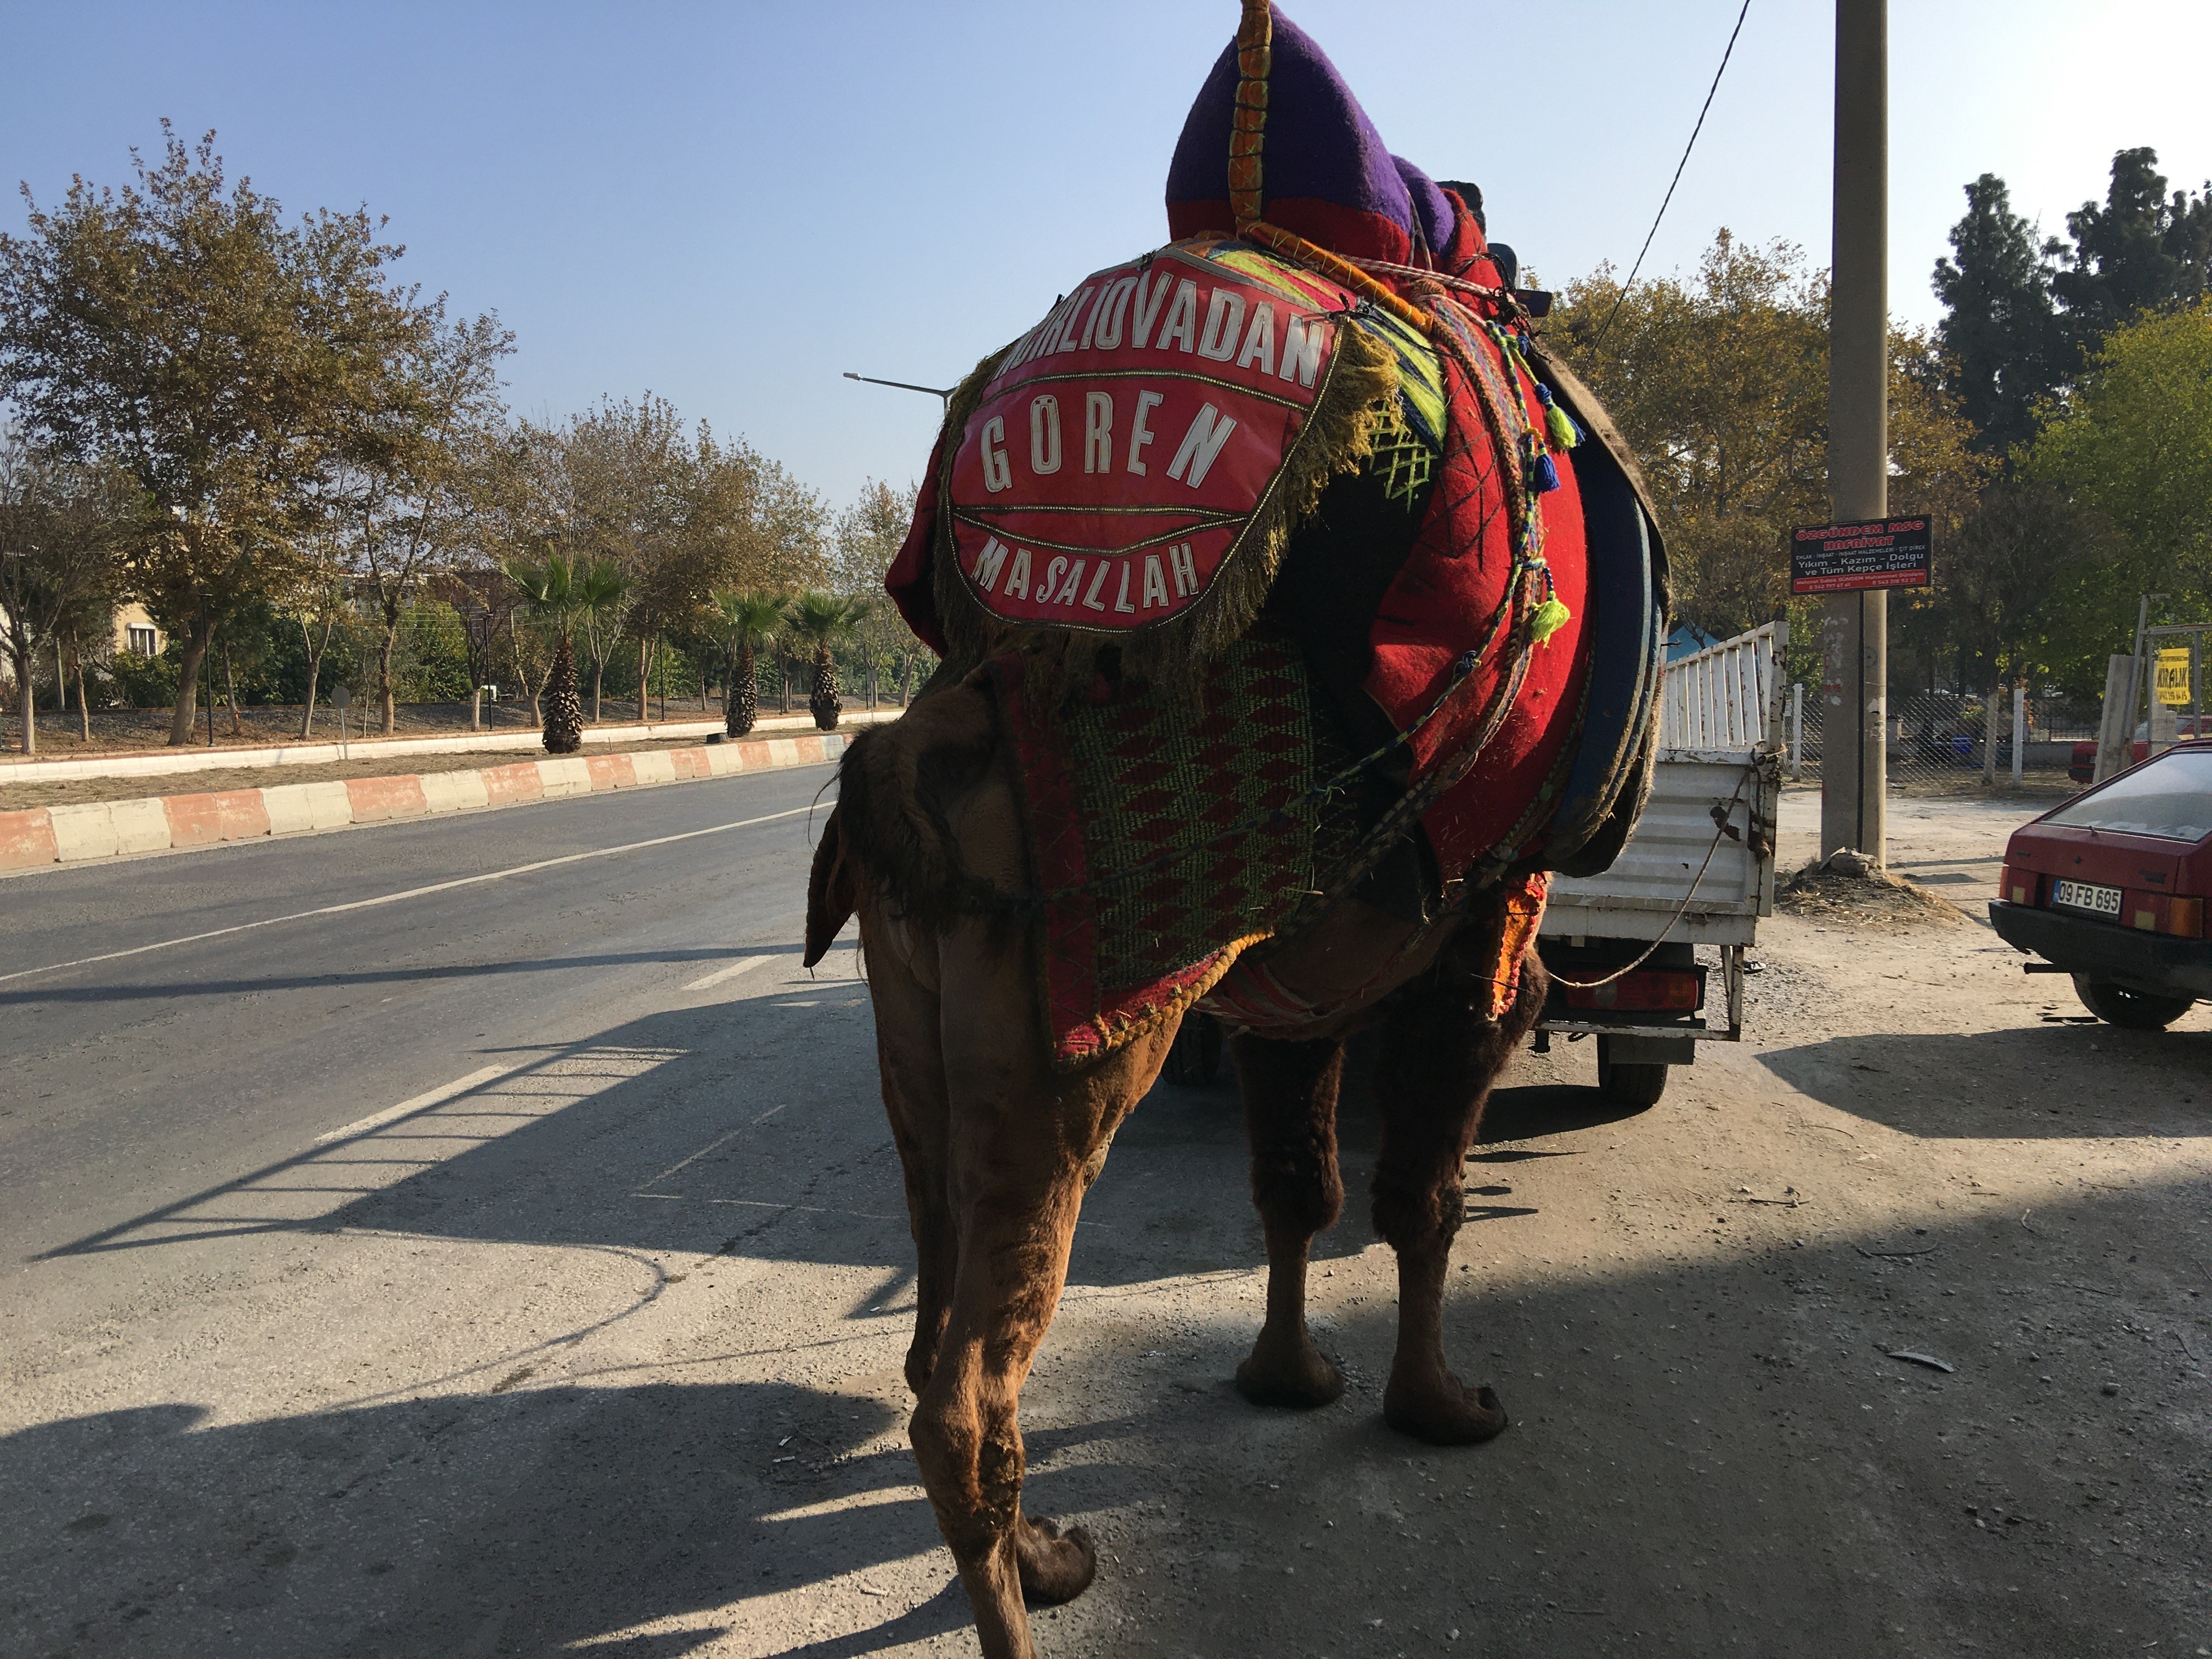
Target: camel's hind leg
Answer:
pixel 1440 1052
pixel 910 1057
pixel 1023 1147
pixel 1290 1116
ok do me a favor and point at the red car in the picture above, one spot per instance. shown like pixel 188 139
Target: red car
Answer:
pixel 2111 888
pixel 2084 765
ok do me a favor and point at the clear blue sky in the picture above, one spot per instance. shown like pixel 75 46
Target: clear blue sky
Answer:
pixel 729 204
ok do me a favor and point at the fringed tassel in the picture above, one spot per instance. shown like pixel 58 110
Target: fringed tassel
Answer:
pixel 1558 426
pixel 1550 616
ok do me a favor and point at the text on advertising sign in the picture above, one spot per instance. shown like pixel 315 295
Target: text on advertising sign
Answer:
pixel 2173 681
pixel 1844 558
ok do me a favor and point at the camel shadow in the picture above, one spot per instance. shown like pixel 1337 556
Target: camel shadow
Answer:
pixel 521 1522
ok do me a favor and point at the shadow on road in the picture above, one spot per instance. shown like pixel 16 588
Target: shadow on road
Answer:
pixel 2000 1085
pixel 513 1523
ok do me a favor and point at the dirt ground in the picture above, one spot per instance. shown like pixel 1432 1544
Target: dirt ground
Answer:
pixel 1884 1332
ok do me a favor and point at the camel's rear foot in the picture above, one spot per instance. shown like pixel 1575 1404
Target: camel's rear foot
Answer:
pixel 1055 1566
pixel 1293 1373
pixel 1442 1410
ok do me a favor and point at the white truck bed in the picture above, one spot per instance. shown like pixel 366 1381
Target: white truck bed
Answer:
pixel 1698 868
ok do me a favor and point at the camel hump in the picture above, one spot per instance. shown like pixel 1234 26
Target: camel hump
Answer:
pixel 890 836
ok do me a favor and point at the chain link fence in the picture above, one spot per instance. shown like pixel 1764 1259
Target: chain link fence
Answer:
pixel 1938 742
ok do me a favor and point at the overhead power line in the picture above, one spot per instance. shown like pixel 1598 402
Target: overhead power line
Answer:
pixel 1622 297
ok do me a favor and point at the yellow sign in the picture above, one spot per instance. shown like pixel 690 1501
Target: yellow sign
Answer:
pixel 2173 681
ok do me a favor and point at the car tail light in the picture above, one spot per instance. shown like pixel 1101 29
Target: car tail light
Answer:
pixel 2020 886
pixel 1654 990
pixel 2158 913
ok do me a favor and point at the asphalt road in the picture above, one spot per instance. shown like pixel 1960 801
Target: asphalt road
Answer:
pixel 520 1268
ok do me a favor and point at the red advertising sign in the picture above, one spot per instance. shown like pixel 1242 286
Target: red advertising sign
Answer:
pixel 1115 460
pixel 1846 558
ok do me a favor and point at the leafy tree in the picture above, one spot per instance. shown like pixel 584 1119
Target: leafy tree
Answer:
pixel 2023 541
pixel 820 620
pixel 61 529
pixel 2134 442
pixel 746 622
pixel 181 329
pixel 2000 334
pixel 399 484
pixel 2141 249
pixel 1720 383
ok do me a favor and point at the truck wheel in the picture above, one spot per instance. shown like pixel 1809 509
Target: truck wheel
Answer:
pixel 1636 1086
pixel 1194 1057
pixel 2138 1011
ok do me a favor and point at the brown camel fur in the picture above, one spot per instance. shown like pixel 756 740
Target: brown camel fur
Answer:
pixel 925 846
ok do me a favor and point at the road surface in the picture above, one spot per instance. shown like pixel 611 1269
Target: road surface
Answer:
pixel 401 1262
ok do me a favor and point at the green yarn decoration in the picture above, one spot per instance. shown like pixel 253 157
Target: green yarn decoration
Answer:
pixel 1550 616
pixel 1560 429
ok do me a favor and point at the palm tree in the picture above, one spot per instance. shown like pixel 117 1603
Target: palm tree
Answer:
pixel 818 620
pixel 551 590
pixel 597 589
pixel 746 622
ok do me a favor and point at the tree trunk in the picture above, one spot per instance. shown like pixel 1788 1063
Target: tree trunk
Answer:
pixel 83 708
pixel 230 690
pixel 598 677
pixel 744 702
pixel 822 698
pixel 783 667
pixel 906 676
pixel 384 672
pixel 21 658
pixel 314 673
pixel 186 713
pixel 641 715
pixel 564 712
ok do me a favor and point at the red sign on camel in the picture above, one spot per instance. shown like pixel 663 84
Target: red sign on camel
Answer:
pixel 1121 451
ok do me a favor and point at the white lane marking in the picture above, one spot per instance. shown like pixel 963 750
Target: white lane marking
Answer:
pixel 430 1097
pixel 745 966
pixel 411 892
pixel 702 1152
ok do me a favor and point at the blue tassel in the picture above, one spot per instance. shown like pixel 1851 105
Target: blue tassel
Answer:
pixel 1547 476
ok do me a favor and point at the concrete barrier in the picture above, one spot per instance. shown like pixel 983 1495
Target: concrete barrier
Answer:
pixel 47 836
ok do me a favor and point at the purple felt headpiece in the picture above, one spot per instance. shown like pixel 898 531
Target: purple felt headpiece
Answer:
pixel 1328 174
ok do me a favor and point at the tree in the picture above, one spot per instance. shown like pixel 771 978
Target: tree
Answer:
pixel 1720 383
pixel 2141 251
pixel 745 623
pixel 181 330
pixel 551 590
pixel 399 486
pixel 2022 541
pixel 820 620
pixel 2000 333
pixel 2134 442
pixel 867 538
pixel 62 527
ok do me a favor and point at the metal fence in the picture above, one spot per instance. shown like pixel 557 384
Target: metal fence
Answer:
pixel 1939 741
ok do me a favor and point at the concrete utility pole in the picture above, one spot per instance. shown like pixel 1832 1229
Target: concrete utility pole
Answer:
pixel 1855 633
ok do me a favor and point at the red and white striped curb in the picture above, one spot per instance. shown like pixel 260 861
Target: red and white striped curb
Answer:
pixel 106 829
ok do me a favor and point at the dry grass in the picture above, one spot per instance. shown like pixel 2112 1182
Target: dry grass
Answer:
pixel 1877 899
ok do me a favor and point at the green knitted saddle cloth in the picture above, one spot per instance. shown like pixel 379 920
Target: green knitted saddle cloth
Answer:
pixel 1169 832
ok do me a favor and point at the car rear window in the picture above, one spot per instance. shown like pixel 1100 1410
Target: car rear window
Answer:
pixel 2171 797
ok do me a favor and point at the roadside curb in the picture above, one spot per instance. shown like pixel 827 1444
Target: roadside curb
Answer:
pixel 43 836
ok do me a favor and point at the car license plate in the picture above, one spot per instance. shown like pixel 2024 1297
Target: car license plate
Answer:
pixel 2081 895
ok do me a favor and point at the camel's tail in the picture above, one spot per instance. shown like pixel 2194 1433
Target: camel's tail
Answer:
pixel 888 834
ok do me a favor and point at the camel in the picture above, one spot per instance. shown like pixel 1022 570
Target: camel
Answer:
pixel 1410 517
pixel 998 1152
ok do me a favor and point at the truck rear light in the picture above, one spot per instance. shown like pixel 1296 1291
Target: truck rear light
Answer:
pixel 1652 990
pixel 2020 886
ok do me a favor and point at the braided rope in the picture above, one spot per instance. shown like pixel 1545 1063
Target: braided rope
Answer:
pixel 1247 127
